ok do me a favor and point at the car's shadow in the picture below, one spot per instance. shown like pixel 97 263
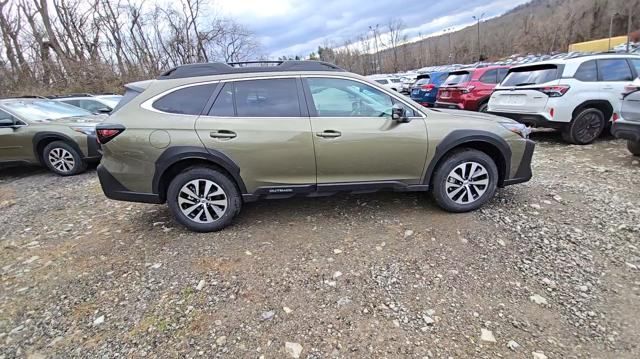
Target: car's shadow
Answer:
pixel 555 137
pixel 10 172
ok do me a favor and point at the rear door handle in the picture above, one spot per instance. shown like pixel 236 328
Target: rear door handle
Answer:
pixel 223 134
pixel 607 88
pixel 329 134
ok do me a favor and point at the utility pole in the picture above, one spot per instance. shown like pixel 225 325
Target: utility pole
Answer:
pixel 628 28
pixel 478 19
pixel 375 39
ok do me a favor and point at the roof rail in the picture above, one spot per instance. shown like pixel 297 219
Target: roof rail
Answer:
pixel 219 68
pixel 25 97
pixel 70 95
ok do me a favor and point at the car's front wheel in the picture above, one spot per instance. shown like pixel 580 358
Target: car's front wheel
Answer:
pixel 62 159
pixel 465 181
pixel 634 147
pixel 203 199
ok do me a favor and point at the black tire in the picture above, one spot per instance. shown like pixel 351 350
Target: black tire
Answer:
pixel 447 166
pixel 634 147
pixel 233 200
pixel 62 159
pixel 585 128
pixel 483 107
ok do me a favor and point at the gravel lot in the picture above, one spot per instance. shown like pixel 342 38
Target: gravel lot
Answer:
pixel 550 268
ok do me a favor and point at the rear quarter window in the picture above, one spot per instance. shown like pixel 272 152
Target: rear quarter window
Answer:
pixel 185 101
pixel 588 71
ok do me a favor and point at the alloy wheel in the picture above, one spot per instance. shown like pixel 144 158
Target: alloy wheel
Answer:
pixel 202 201
pixel 589 127
pixel 467 182
pixel 61 159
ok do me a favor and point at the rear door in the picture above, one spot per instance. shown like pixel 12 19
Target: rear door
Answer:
pixel 355 138
pixel 518 92
pixel 263 126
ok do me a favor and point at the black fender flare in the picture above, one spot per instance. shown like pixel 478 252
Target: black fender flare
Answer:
pixel 177 154
pixel 57 136
pixel 460 137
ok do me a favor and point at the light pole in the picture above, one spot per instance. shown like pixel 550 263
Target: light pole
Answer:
pixel 478 19
pixel 448 32
pixel 611 28
pixel 628 28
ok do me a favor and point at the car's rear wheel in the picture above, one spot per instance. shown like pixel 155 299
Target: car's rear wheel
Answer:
pixel 634 147
pixel 465 181
pixel 62 159
pixel 585 127
pixel 203 199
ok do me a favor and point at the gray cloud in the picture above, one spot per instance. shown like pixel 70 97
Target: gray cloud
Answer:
pixel 311 23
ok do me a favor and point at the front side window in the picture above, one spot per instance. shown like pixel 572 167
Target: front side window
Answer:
pixel 588 71
pixel 347 98
pixel 185 101
pixel 267 98
pixel 636 65
pixel 614 70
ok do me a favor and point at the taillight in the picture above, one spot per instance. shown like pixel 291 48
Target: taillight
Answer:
pixel 428 87
pixel 107 132
pixel 554 91
pixel 467 89
pixel 552 112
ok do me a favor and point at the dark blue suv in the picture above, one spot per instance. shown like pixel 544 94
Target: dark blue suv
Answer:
pixel 425 90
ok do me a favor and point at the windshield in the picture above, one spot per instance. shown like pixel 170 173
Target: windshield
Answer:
pixel 111 101
pixel 531 75
pixel 457 78
pixel 43 110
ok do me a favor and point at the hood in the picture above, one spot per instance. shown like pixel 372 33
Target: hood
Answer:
pixel 89 120
pixel 474 115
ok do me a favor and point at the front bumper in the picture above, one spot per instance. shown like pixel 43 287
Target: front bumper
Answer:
pixel 626 130
pixel 113 189
pixel 524 173
pixel 93 148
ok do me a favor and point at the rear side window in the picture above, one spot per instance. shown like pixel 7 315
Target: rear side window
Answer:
pixel 614 70
pixel 588 71
pixel 457 78
pixel 185 101
pixel 267 98
pixel 490 77
pixel 223 106
pixel 531 75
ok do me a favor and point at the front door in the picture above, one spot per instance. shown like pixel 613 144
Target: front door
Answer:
pixel 15 144
pixel 262 126
pixel 355 138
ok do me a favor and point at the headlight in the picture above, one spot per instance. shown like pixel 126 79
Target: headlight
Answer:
pixel 518 128
pixel 89 131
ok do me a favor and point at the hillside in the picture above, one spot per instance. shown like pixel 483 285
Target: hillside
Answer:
pixel 540 26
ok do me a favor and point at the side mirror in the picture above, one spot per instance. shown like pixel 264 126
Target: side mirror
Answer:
pixel 399 114
pixel 104 110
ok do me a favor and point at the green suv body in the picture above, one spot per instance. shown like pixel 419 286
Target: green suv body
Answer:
pixel 44 132
pixel 206 138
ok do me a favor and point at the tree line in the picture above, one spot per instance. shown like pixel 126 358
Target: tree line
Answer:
pixel 53 46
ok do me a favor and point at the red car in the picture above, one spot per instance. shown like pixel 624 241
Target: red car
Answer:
pixel 470 89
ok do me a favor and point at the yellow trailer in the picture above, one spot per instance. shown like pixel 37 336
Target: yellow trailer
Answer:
pixel 598 45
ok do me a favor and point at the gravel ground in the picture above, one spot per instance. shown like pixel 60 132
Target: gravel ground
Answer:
pixel 549 269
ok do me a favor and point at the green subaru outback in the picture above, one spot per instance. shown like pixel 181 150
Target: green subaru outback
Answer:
pixel 44 132
pixel 206 138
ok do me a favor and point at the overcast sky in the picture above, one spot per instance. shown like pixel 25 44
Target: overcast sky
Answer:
pixel 298 27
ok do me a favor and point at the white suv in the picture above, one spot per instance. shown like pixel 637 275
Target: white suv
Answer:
pixel 388 82
pixel 578 96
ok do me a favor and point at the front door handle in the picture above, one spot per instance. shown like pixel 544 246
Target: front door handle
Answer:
pixel 223 134
pixel 329 134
